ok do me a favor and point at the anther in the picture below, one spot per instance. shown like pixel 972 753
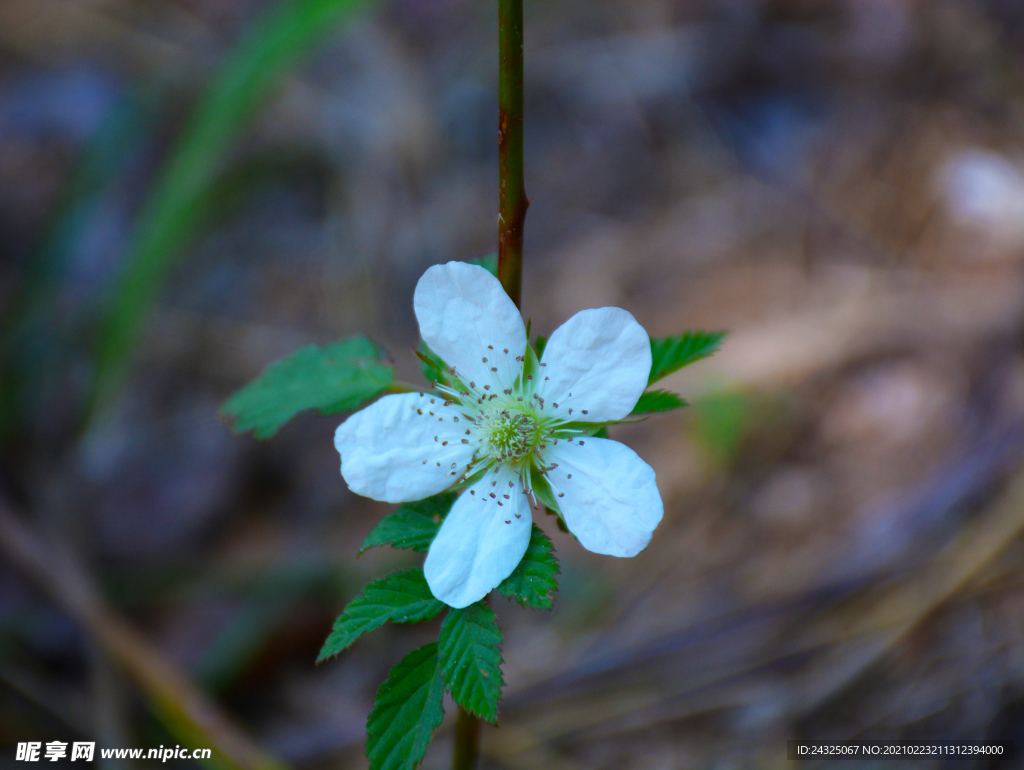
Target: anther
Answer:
pixel 472 385
pixel 511 484
pixel 472 491
pixel 487 387
pixel 505 349
pixel 493 495
pixel 421 395
pixel 561 494
pixel 554 405
pixel 519 515
pixel 455 418
pixel 548 378
pixel 419 411
pixel 485 360
pixel 494 368
pixel 467 431
pixel 584 411
pixel 505 496
pixel 581 443
pixel 465 441
pixel 449 403
pixel 490 347
pixel 445 443
pixel 430 413
pixel 569 476
pixel 431 400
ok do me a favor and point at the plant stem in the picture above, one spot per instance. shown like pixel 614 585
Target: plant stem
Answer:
pixel 512 195
pixel 467 741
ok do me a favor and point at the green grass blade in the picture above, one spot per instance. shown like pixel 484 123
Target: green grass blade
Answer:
pixel 175 211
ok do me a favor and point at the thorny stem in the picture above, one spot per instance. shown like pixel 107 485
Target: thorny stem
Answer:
pixel 511 216
pixel 512 195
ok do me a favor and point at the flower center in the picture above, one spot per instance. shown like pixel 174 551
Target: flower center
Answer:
pixel 509 436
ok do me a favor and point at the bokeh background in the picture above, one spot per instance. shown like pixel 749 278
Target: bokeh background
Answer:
pixel 839 183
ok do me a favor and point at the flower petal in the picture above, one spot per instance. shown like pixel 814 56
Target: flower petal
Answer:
pixel 395 450
pixel 481 542
pixel 602 358
pixel 611 500
pixel 467 319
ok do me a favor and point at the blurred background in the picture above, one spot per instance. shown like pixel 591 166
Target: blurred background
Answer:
pixel 186 195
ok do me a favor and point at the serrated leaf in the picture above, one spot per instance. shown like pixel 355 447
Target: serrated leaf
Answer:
pixel 669 354
pixel 469 654
pixel 533 582
pixel 406 712
pixel 658 401
pixel 336 378
pixel 403 597
pixel 414 525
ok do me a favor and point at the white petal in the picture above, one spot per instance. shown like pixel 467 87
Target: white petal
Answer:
pixel 602 358
pixel 394 449
pixel 481 542
pixel 611 500
pixel 465 316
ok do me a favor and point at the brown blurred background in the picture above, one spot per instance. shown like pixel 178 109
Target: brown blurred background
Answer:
pixel 840 183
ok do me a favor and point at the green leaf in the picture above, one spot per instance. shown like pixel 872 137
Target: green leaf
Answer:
pixel 469 650
pixel 533 582
pixel 658 401
pixel 668 354
pixel 336 378
pixel 414 525
pixel 488 262
pixel 403 597
pixel 176 209
pixel 406 712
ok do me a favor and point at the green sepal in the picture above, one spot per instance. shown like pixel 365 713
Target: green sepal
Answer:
pixel 543 492
pixel 658 401
pixel 413 526
pixel 669 354
pixel 406 712
pixel 539 343
pixel 403 597
pixel 336 378
pixel 533 582
pixel 531 365
pixel 469 655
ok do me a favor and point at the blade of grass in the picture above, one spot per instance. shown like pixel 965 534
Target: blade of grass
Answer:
pixel 175 211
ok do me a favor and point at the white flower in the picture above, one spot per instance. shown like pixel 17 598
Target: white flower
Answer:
pixel 505 425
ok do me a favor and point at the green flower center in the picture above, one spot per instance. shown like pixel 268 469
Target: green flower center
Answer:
pixel 509 435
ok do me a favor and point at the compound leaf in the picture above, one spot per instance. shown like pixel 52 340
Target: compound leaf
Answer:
pixel 414 525
pixel 669 354
pixel 658 401
pixel 469 651
pixel 336 378
pixel 403 597
pixel 406 712
pixel 533 582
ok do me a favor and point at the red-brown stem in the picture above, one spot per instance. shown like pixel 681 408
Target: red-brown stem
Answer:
pixel 511 189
